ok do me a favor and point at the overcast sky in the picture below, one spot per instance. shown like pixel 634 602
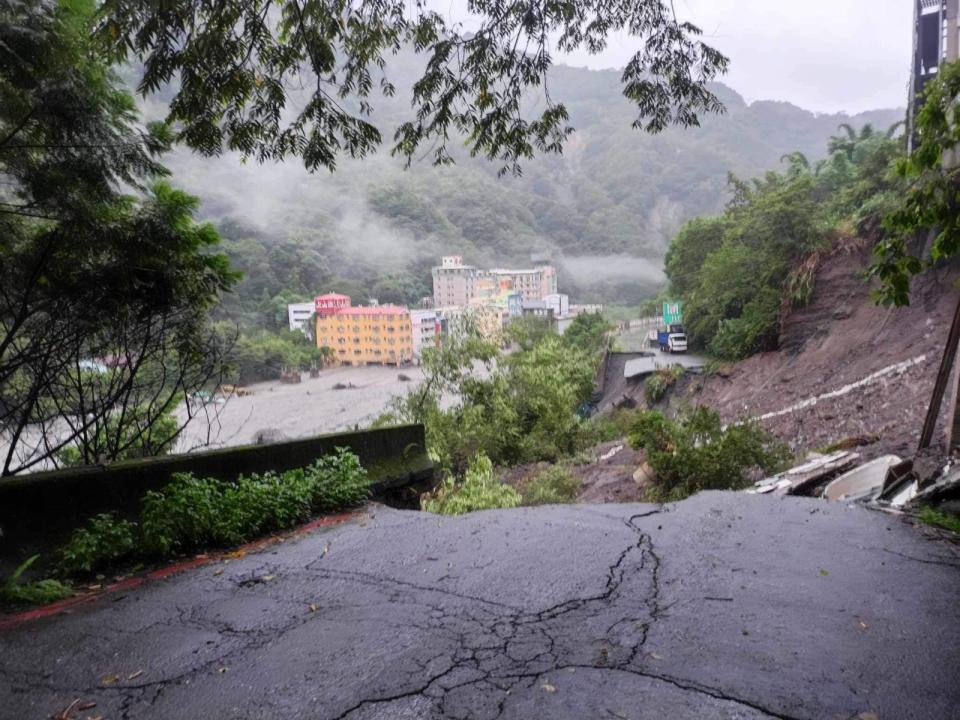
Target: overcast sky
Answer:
pixel 823 55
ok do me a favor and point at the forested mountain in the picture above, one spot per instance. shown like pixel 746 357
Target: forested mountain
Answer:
pixel 373 227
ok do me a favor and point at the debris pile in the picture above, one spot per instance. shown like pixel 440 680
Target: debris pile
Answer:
pixel 887 482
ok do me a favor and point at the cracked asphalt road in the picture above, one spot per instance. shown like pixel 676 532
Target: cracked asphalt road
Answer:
pixel 722 606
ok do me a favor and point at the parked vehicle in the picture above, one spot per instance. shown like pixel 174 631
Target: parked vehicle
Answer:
pixel 672 338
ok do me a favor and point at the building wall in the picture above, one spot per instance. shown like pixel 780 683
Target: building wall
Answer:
pixel 366 335
pixel 449 320
pixel 515 305
pixel 935 41
pixel 456 284
pixel 423 324
pixel 298 315
pixel 531 284
pixel 548 282
pixel 559 303
pixel 586 309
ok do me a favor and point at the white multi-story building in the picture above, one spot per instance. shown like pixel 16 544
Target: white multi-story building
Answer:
pixel 423 325
pixel 299 314
pixel 559 303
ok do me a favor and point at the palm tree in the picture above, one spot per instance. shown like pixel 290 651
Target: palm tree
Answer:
pixel 845 144
pixel 797 164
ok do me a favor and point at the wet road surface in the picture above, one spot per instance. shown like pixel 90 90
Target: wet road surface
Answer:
pixel 723 606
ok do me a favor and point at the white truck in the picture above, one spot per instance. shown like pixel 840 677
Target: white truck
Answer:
pixel 669 338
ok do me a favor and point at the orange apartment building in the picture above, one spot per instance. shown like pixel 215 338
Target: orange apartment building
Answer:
pixel 363 335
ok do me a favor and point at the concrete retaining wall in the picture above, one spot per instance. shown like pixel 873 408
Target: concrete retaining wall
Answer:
pixel 38 511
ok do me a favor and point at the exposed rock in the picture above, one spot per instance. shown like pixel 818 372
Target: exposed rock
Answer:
pixel 644 476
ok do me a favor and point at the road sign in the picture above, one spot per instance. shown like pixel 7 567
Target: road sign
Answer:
pixel 672 313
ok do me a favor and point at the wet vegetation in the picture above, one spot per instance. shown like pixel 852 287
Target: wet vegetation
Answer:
pixel 553 485
pixel 940 519
pixel 478 490
pixel 694 452
pixel 35 592
pixel 737 272
pixel 656 386
pixel 192 513
pixel 515 407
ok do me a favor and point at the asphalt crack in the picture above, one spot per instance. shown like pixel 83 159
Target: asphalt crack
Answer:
pixel 514 648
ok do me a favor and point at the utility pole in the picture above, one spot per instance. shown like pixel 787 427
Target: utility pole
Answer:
pixel 947 363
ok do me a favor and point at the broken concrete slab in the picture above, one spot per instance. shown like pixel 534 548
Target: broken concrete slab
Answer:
pixel 863 482
pixel 804 478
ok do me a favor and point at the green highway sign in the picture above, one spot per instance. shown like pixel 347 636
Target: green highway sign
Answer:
pixel 672 313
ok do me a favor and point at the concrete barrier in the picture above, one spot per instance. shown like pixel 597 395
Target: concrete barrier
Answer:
pixel 38 511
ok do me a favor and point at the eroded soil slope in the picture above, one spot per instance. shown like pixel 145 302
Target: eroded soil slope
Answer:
pixel 847 368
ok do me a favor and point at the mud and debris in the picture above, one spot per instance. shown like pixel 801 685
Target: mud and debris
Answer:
pixel 724 605
pixel 606 473
pixel 847 369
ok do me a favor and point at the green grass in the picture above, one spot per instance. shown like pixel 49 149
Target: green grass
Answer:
pixel 38 592
pixel 936 518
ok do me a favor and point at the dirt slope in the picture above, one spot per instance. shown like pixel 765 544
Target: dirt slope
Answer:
pixel 847 367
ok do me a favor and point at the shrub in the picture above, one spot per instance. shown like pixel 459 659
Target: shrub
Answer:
pixel 338 481
pixel 262 503
pixel 480 490
pixel 191 512
pixel 37 592
pixel 523 409
pixel 656 386
pixel 610 426
pixel 105 539
pixel 694 452
pixel 555 485
pixel 187 513
pixel 754 330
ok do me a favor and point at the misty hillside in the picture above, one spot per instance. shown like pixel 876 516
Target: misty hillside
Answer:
pixel 614 192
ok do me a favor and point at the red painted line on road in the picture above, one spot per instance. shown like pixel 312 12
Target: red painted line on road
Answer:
pixel 15 619
pixel 169 570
